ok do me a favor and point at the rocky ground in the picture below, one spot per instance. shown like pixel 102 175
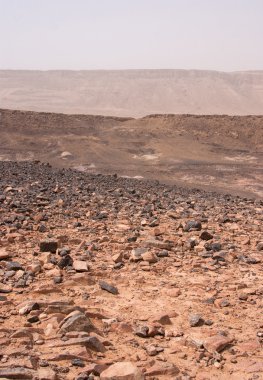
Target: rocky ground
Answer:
pixel 118 279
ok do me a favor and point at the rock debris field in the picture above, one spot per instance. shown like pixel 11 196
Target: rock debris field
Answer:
pixel 113 278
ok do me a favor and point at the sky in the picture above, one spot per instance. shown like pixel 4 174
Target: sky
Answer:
pixel 225 35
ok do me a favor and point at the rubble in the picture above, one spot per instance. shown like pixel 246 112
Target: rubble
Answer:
pixel 129 279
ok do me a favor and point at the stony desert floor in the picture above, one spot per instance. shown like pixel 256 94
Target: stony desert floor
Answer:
pixel 112 278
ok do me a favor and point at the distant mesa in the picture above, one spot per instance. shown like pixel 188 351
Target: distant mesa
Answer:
pixel 133 93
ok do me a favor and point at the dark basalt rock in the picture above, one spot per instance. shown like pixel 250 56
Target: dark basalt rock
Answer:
pixel 109 288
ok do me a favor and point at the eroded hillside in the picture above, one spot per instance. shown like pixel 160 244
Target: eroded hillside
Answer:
pixel 223 153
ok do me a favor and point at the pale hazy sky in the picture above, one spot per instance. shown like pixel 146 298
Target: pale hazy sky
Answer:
pixel 121 34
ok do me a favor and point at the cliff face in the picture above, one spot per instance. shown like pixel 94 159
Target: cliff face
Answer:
pixel 133 92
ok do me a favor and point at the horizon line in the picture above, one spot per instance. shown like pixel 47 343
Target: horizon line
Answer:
pixel 138 69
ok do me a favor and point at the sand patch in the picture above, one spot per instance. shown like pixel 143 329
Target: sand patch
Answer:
pixel 147 157
pixel 135 177
pixel 241 158
pixel 65 155
pixel 198 178
pixel 84 168
pixel 28 156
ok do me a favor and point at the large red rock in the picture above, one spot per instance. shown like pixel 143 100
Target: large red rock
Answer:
pixel 217 343
pixel 122 371
pixel 163 369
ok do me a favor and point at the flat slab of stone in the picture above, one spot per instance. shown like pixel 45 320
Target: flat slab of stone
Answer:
pixel 90 342
pixel 19 373
pixel 163 369
pixel 80 266
pixel 217 343
pixel 76 321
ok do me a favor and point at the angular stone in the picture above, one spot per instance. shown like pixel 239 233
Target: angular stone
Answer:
pixel 22 333
pixel 117 258
pixel 195 320
pixel 136 254
pixel 45 257
pixel 163 253
pixel 90 342
pixel 19 373
pixel 46 374
pixel 163 369
pixel 109 288
pixel 154 243
pixel 217 343
pixel 122 371
pixel 29 306
pixel 243 296
pixel 76 321
pixel 141 331
pixel 205 235
pixel 150 257
pixel 48 246
pixel 77 362
pixel 156 330
pixel 193 225
pixel 58 307
pixel 4 254
pixel 95 344
pixel 151 350
pixel 5 288
pixel 163 319
pixel 34 267
pixel 95 369
pixel 80 266
pixel 13 265
pixel 65 262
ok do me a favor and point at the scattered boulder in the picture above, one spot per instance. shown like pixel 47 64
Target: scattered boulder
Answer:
pixel 48 246
pixel 109 288
pixel 193 225
pixel 162 369
pixel 150 257
pixel 13 265
pixel 76 321
pixel 195 320
pixel 217 343
pixel 205 235
pixel 65 261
